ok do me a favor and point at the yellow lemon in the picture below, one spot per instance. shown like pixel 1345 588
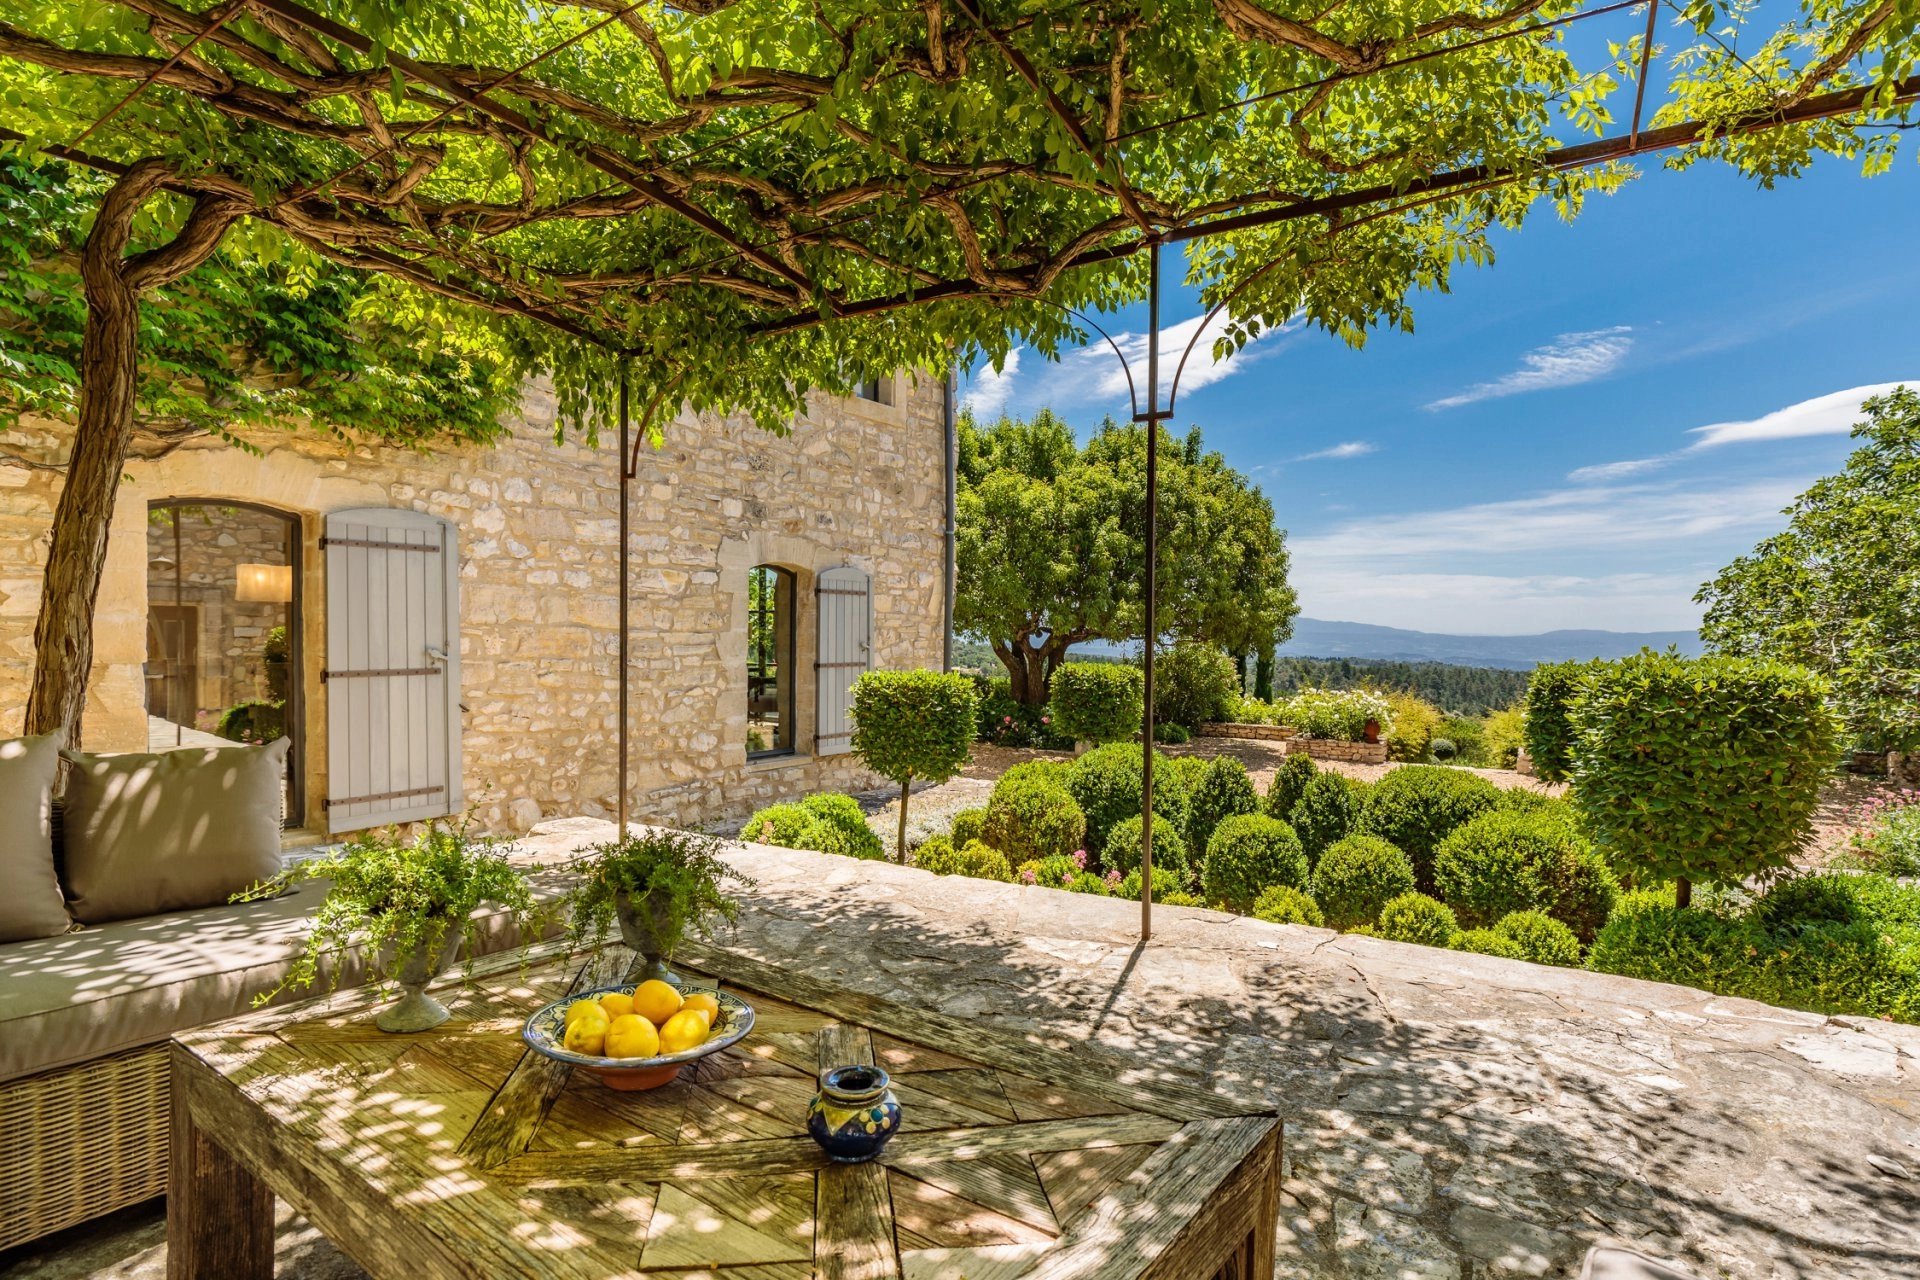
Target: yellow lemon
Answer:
pixel 656 1001
pixel 587 1035
pixel 632 1036
pixel 703 1002
pixel 586 1009
pixel 617 1003
pixel 683 1031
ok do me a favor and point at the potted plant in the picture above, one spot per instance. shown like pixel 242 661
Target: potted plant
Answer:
pixel 658 885
pixel 409 905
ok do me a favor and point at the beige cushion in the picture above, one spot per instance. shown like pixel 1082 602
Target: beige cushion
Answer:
pixel 114 987
pixel 177 829
pixel 30 906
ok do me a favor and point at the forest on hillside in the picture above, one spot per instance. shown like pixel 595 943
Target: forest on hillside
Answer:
pixel 1457 690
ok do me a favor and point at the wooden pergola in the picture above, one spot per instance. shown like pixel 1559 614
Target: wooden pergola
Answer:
pixel 901 184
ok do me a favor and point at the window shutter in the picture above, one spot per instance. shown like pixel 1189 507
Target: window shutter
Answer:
pixel 845 650
pixel 392 668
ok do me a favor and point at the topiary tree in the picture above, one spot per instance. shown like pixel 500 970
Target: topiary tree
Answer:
pixel 1121 853
pixel 1417 806
pixel 1192 683
pixel 913 724
pixel 1030 814
pixel 1701 768
pixel 1290 780
pixel 1284 904
pixel 1547 727
pixel 1540 938
pixel 1328 811
pixel 1416 918
pixel 1099 702
pixel 1358 876
pixel 1224 791
pixel 1248 855
pixel 1512 860
pixel 1106 783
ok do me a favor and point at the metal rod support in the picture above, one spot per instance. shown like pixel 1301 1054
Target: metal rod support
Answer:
pixel 620 804
pixel 1152 587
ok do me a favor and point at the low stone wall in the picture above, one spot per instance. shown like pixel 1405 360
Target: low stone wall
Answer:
pixel 1334 749
pixel 1264 732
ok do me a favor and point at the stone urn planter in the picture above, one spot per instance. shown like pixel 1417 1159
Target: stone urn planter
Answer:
pixel 647 927
pixel 416 1010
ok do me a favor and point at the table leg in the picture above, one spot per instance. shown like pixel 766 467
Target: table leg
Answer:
pixel 219 1216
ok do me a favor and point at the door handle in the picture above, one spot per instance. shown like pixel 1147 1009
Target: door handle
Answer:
pixel 436 653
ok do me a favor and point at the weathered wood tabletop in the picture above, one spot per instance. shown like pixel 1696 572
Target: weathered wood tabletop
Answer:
pixel 457 1153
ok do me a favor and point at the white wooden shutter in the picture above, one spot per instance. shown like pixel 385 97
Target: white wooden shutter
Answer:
pixel 392 668
pixel 845 650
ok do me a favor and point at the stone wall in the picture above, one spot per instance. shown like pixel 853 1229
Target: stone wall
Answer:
pixel 856 482
pixel 1261 732
pixel 1334 749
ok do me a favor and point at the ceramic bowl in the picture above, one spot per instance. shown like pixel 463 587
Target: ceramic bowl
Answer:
pixel 546 1030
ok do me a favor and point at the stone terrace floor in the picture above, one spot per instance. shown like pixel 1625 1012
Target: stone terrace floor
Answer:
pixel 1447 1115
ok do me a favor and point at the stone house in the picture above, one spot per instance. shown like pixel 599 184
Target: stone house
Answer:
pixel 438 630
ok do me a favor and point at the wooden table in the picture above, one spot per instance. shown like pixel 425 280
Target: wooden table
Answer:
pixel 456 1153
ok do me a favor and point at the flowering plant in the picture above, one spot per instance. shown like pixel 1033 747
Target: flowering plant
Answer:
pixel 1886 834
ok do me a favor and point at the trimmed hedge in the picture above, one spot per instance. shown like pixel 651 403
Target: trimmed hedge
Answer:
pixel 1417 806
pixel 1284 904
pixel 1031 815
pixel 1290 781
pixel 1701 768
pixel 1487 943
pixel 1105 783
pixel 1122 850
pixel 975 859
pixel 778 824
pixel 1548 726
pixel 1328 811
pixel 828 822
pixel 1062 873
pixel 1414 917
pixel 1192 684
pixel 968 824
pixel 1166 884
pixel 1249 854
pixel 1540 938
pixel 1098 701
pixel 1224 791
pixel 1358 876
pixel 1505 861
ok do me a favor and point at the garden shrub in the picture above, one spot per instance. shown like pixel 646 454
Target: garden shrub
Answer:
pixel 1540 938
pixel 1284 904
pixel 1414 917
pixel 1290 780
pixel 1192 684
pixel 1829 898
pixel 1339 714
pixel 1328 811
pixel 1180 899
pixel 1005 722
pixel 913 724
pixel 1190 768
pixel 1098 701
pixel 1415 722
pixel 1173 735
pixel 968 824
pixel 1166 883
pixel 829 823
pixel 1122 850
pixel 1527 800
pixel 1547 729
pixel 778 824
pixel 1105 782
pixel 1503 736
pixel 1031 815
pixel 1468 737
pixel 1701 768
pixel 1417 806
pixel 1358 876
pixel 1224 791
pixel 974 858
pixel 1443 750
pixel 1505 861
pixel 1892 905
pixel 1249 854
pixel 1487 943
pixel 1889 837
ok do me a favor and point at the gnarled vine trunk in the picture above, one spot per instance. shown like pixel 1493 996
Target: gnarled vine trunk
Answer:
pixel 1030 670
pixel 109 381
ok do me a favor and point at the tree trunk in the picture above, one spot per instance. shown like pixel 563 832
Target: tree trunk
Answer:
pixel 1263 675
pixel 1682 892
pixel 109 380
pixel 900 846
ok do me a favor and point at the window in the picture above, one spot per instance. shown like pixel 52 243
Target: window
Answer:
pixel 770 673
pixel 223 630
pixel 878 390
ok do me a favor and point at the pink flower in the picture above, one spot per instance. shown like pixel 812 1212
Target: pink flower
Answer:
pixel 1006 719
pixel 1080 859
pixel 1046 719
pixel 1113 879
pixel 1027 877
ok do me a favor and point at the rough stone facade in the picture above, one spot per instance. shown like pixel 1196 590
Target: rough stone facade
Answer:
pixel 857 482
pixel 1335 749
pixel 1259 732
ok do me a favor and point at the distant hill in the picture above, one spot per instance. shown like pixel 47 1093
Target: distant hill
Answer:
pixel 1313 638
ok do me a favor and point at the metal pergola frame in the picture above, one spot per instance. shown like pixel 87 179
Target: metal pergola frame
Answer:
pixel 1149 234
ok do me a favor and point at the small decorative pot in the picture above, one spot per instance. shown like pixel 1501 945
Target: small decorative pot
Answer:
pixel 1372 730
pixel 645 928
pixel 416 1010
pixel 854 1114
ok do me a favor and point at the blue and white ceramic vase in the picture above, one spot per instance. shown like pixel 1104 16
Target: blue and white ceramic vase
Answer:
pixel 854 1114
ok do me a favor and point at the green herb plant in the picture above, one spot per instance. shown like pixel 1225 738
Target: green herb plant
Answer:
pixel 677 878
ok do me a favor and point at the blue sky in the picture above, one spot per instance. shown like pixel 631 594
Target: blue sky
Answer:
pixel 1577 436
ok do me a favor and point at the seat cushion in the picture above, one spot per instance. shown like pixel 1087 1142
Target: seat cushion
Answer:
pixel 171 830
pixel 31 906
pixel 118 986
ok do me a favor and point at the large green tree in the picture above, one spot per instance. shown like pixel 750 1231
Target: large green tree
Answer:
pixel 1839 589
pixel 1051 545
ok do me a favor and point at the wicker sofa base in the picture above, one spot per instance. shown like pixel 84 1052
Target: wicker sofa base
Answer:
pixel 81 1141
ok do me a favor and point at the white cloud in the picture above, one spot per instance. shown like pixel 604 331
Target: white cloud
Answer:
pixel 1567 361
pixel 1605 471
pixel 1829 415
pixel 1499 604
pixel 1340 452
pixel 1092 376
pixel 987 397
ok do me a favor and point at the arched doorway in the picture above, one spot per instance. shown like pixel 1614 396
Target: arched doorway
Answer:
pixel 223 629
